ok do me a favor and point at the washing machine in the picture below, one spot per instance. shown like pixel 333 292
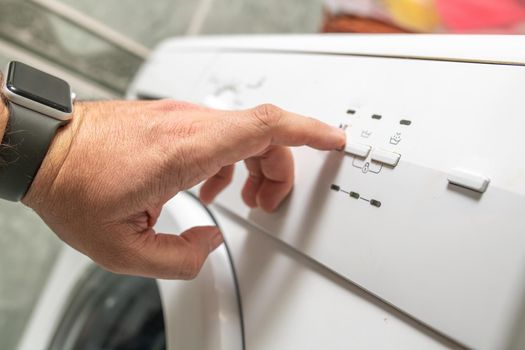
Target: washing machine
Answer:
pixel 412 237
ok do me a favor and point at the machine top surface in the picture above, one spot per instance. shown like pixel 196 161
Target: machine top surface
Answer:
pixel 502 49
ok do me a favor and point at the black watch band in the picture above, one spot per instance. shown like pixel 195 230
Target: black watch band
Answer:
pixel 26 141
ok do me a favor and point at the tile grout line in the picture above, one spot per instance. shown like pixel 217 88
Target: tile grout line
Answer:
pixel 199 17
pixel 94 27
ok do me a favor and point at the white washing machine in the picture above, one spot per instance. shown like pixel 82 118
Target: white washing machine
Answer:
pixel 413 237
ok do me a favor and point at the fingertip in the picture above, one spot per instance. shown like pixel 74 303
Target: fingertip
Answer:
pixel 270 208
pixel 251 205
pixel 209 191
pixel 339 136
pixel 272 194
pixel 204 196
pixel 249 199
pixel 249 193
pixel 204 236
pixel 215 184
pixel 208 227
pixel 268 203
pixel 216 241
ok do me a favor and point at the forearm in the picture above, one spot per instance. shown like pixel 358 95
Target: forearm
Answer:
pixel 3 111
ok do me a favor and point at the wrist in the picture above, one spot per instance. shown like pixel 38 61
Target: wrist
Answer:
pixel 4 112
pixel 54 160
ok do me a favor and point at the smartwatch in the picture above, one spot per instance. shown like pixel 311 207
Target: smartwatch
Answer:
pixel 38 104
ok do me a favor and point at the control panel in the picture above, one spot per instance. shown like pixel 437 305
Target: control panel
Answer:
pixel 423 208
pixel 361 136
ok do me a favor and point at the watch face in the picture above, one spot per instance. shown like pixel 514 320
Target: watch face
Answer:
pixel 38 86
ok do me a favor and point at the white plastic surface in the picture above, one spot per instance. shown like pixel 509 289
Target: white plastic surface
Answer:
pixel 203 313
pixel 502 48
pixel 357 149
pixel 385 157
pixel 450 258
pixel 468 179
pixel 292 302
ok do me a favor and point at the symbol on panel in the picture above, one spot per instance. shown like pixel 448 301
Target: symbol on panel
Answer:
pixel 395 139
pixel 365 168
pixel 356 195
pixel 257 84
pixel 343 126
pixel 366 134
pixel 376 170
pixel 375 203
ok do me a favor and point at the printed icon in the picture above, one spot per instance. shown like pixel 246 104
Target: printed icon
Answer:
pixel 366 134
pixel 367 167
pixel 375 203
pixel 356 195
pixel 256 84
pixel 396 139
pixel 335 188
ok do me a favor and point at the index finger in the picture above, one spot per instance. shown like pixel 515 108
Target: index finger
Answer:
pixel 290 129
pixel 227 137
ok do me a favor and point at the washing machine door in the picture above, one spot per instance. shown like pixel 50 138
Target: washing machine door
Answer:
pixel 204 313
pixel 113 312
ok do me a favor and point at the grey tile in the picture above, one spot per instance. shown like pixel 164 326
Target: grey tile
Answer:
pixel 147 22
pixel 263 16
pixel 53 38
pixel 27 251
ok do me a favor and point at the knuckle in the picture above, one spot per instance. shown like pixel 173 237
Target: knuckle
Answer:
pixel 190 270
pixel 267 114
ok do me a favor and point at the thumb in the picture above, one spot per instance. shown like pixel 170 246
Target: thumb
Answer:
pixel 170 256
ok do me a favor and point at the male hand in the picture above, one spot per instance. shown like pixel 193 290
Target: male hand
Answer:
pixel 108 173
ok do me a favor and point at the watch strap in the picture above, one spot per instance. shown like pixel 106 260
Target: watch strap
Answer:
pixel 25 144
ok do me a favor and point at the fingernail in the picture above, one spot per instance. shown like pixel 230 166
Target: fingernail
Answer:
pixel 216 240
pixel 338 132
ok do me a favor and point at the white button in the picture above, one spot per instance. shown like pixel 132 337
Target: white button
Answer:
pixel 385 157
pixel 357 149
pixel 465 178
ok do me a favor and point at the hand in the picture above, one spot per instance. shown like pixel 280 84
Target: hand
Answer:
pixel 108 173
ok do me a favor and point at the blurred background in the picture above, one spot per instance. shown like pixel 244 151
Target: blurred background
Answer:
pixel 98 45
